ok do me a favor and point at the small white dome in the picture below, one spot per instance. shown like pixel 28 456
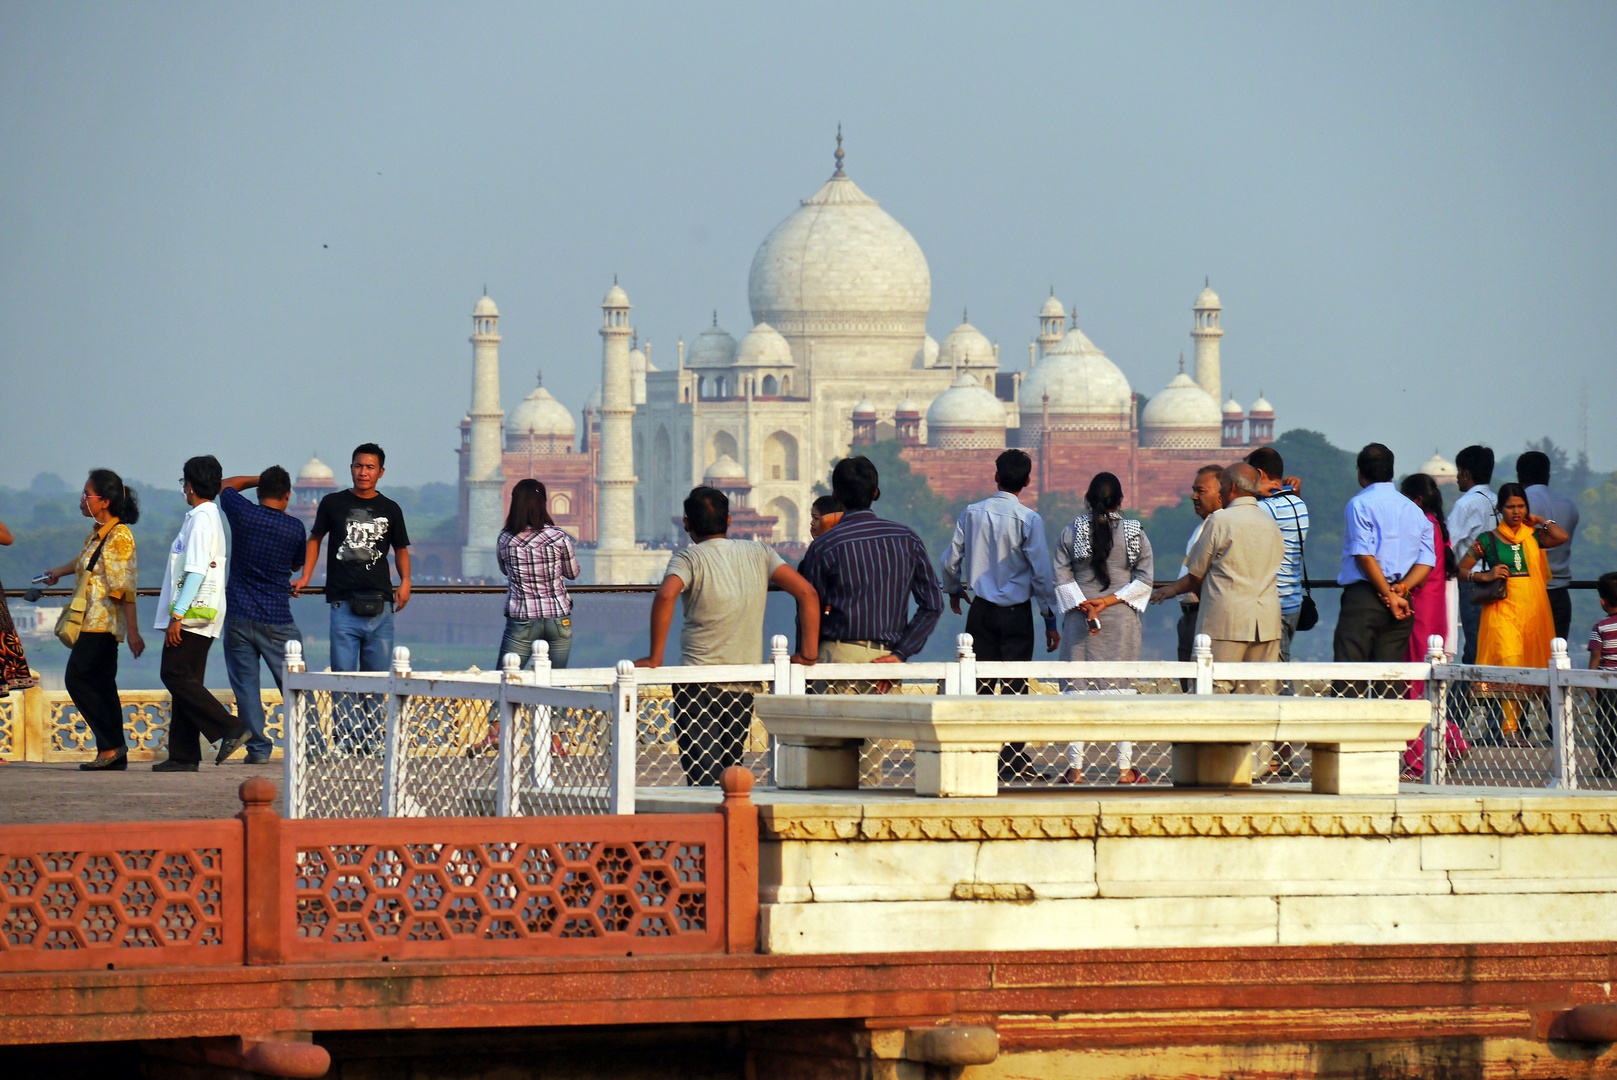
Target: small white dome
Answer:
pixel 1261 407
pixel 1207 300
pixel 616 297
pixel 908 407
pixel 485 306
pixel 927 355
pixel 714 347
pixel 1440 469
pixel 1182 404
pixel 966 404
pixel 764 347
pixel 541 416
pixel 1080 381
pixel 637 361
pixel 726 468
pixel 316 470
pixel 966 347
pixel 1232 408
pixel 1052 309
pixel 865 408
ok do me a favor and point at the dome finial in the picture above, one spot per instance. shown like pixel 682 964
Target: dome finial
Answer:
pixel 715 317
pixel 1181 361
pixel 1207 281
pixel 485 288
pixel 541 380
pixel 965 314
pixel 839 155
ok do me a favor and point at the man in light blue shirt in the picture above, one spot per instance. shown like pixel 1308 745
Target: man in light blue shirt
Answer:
pixel 1386 552
pixel 1000 553
pixel 1472 514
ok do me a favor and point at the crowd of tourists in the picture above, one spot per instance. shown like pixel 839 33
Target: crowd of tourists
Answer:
pixel 1489 579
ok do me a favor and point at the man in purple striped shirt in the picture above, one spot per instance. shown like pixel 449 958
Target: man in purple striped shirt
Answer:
pixel 865 571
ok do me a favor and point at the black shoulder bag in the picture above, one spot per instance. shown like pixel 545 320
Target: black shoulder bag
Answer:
pixel 1308 614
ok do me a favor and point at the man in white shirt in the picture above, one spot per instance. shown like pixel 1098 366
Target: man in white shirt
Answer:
pixel 1472 514
pixel 191 612
pixel 1533 472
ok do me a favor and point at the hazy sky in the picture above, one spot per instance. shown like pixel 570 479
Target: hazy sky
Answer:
pixel 258 230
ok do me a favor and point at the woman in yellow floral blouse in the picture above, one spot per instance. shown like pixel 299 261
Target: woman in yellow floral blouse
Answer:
pixel 109 614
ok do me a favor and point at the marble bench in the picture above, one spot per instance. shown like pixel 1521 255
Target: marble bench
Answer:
pixel 1356 743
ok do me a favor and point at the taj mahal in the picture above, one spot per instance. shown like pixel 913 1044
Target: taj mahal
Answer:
pixel 837 356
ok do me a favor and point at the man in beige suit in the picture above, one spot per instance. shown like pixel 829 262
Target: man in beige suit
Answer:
pixel 1236 565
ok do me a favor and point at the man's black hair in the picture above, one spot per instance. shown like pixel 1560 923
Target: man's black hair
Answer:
pixel 205 476
pixel 1476 460
pixel 274 483
pixel 1532 468
pixel 1267 460
pixel 1013 469
pixel 370 448
pixel 854 483
pixel 827 504
pixel 708 512
pixel 1607 587
pixel 1375 464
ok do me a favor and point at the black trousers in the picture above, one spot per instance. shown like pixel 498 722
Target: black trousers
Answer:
pixel 1366 630
pixel 711 726
pixel 1003 633
pixel 91 679
pixel 194 708
pixel 1561 611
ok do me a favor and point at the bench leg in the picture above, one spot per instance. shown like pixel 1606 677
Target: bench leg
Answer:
pixel 1355 772
pixel 1211 765
pixel 956 773
pixel 828 763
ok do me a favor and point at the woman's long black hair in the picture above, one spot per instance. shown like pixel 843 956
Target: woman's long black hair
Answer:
pixel 121 501
pixel 1104 496
pixel 529 507
pixel 1421 490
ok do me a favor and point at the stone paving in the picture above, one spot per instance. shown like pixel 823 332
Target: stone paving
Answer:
pixel 35 793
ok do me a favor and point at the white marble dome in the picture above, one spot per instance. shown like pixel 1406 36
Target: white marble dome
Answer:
pixel 966 346
pixel 1208 299
pixel 316 470
pixel 485 306
pixel 1181 415
pixel 1052 309
pixel 1441 469
pixel 1082 383
pixel 616 297
pixel 907 407
pixel 965 417
pixel 840 263
pixel 1233 410
pixel 865 409
pixel 714 347
pixel 764 347
pixel 637 361
pixel 1262 408
pixel 927 355
pixel 540 416
pixel 725 472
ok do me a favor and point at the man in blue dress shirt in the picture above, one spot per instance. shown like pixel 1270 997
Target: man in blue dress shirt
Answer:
pixel 1386 552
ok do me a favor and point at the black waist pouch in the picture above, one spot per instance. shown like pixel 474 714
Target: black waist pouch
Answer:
pixel 367 604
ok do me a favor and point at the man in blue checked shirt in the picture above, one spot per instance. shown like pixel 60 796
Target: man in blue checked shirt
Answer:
pixel 1280 498
pixel 266 545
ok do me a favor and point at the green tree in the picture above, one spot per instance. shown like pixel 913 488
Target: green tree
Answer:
pixel 908 499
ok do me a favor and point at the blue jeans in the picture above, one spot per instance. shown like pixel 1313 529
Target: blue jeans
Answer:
pixel 520 634
pixel 246 643
pixel 360 643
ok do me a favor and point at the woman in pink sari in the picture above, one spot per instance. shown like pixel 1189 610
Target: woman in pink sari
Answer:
pixel 1430 603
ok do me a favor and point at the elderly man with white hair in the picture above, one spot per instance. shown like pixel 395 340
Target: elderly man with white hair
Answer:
pixel 1235 564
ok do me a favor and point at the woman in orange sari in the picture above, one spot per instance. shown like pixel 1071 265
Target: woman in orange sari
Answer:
pixel 1516 631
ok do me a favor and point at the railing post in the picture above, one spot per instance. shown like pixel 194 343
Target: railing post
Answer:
pixel 392 759
pixel 261 872
pixel 740 861
pixel 1202 653
pixel 1435 760
pixel 505 711
pixel 960 677
pixel 36 711
pixel 625 720
pixel 544 736
pixel 780 658
pixel 1564 759
pixel 294 704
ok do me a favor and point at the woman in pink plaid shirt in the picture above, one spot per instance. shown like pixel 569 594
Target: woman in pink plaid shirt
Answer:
pixel 535 557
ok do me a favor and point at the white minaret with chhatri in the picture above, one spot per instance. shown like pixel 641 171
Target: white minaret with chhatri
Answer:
pixel 1206 334
pixel 485 478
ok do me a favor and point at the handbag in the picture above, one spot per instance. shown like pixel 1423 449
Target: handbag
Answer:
pixel 367 605
pixel 1308 614
pixel 1490 591
pixel 71 621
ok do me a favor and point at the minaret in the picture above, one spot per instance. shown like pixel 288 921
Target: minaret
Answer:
pixel 485 480
pixel 1051 316
pixel 1205 334
pixel 617 479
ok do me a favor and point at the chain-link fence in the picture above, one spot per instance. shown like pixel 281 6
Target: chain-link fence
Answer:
pixel 333 755
pixel 1594 725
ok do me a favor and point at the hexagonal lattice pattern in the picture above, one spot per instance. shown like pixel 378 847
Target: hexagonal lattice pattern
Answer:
pixel 428 896
pixel 112 900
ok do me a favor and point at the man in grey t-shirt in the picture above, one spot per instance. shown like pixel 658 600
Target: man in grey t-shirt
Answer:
pixel 725 584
